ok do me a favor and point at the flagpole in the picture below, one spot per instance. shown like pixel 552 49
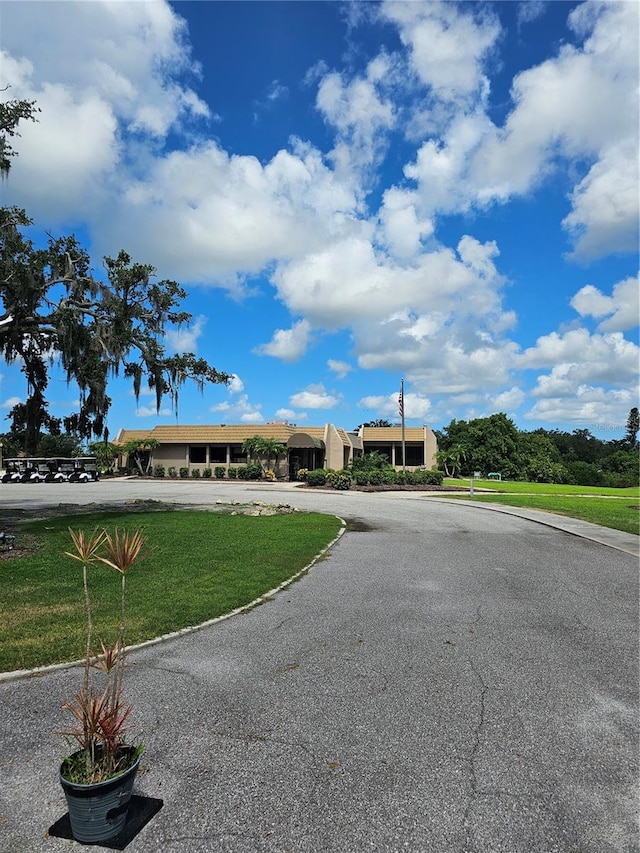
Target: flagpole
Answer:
pixel 402 416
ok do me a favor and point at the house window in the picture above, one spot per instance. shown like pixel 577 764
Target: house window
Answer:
pixel 197 455
pixel 218 453
pixel 238 456
pixel 414 453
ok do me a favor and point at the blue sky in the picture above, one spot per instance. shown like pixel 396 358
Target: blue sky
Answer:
pixel 351 194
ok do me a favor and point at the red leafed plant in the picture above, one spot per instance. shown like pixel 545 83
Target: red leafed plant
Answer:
pixel 100 712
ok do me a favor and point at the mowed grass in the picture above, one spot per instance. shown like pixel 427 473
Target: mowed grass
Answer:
pixel 201 565
pixel 615 508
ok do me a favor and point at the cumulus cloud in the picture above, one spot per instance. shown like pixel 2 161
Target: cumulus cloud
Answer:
pixel 508 401
pixel 288 344
pixel 447 45
pixel 577 357
pixel 340 368
pixel 238 410
pixel 416 406
pixel 621 310
pixel 588 407
pixel 151 411
pixel 126 60
pixel 604 215
pixel 236 385
pixel 313 397
pixel 10 402
pixel 185 339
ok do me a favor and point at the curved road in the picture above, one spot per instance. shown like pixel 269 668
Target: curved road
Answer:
pixel 447 680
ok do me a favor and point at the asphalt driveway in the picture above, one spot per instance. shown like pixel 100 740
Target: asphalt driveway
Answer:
pixel 448 679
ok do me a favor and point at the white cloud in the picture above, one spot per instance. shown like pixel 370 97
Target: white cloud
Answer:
pixel 288 344
pixel 577 107
pixel 240 410
pixel 209 216
pixel 587 406
pixel 236 385
pixel 508 400
pixel 416 406
pixel 151 412
pixel 621 309
pixel 185 339
pixel 126 58
pixel 604 217
pixel 361 115
pixel 577 358
pixel 286 414
pixel 447 45
pixel 10 402
pixel 313 397
pixel 340 368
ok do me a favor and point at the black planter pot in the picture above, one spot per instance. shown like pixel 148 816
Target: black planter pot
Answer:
pixel 98 811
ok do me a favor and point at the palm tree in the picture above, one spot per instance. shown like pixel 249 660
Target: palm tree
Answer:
pixel 451 459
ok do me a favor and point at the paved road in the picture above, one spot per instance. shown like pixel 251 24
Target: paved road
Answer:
pixel 449 680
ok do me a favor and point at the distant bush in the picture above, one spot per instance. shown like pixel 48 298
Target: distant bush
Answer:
pixel 302 474
pixel 219 472
pixel 429 478
pixel 339 479
pixel 172 472
pixel 206 473
pixel 158 471
pixel 184 473
pixel 232 473
pixel 318 477
pixel 195 473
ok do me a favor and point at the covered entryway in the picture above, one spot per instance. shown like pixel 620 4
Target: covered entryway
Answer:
pixel 305 451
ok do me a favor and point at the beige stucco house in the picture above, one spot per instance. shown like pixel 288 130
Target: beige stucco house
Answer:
pixel 328 446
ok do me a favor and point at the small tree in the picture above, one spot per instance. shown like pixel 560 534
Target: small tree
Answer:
pixel 264 450
pixel 105 452
pixel 138 451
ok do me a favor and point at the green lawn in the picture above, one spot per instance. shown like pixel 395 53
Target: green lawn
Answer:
pixel 203 564
pixel 616 508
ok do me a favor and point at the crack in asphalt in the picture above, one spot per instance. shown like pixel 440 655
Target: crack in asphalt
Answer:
pixel 477 737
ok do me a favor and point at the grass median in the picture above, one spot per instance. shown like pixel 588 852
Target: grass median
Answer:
pixel 201 565
pixel 615 508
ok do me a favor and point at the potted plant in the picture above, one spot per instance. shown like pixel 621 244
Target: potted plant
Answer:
pixel 97 778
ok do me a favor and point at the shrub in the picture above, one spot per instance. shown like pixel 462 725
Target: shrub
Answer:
pixel 195 473
pixel 302 474
pixel 206 473
pixel 184 473
pixel 270 475
pixel 219 472
pixel 158 471
pixel 428 478
pixel 388 476
pixel 362 478
pixel 317 477
pixel 375 477
pixel 172 472
pixel 232 473
pixel 253 471
pixel 339 479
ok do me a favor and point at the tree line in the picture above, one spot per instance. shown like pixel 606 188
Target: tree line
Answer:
pixel 495 444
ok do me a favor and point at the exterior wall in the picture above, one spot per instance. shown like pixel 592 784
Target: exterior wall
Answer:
pixel 334 457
